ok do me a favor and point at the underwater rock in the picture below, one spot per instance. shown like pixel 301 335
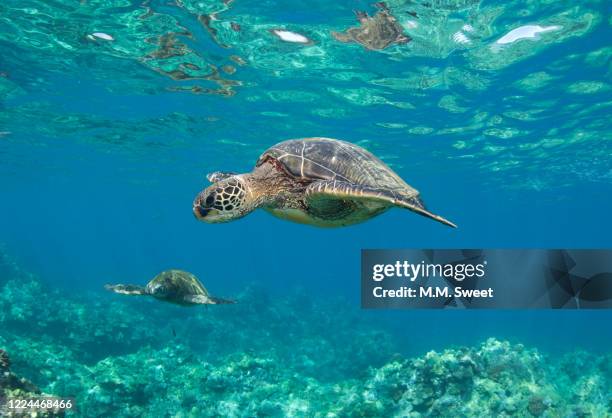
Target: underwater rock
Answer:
pixel 50 365
pixel 4 361
pixel 93 330
pixel 15 387
pixel 162 382
pixel 494 379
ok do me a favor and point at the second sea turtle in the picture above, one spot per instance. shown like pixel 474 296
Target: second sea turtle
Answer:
pixel 174 286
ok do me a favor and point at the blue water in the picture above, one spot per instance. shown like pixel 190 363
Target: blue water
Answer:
pixel 101 157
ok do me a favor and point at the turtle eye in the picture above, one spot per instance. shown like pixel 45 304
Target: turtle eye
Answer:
pixel 210 200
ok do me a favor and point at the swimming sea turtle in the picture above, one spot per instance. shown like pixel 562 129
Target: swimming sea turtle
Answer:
pixel 377 32
pixel 174 286
pixel 317 181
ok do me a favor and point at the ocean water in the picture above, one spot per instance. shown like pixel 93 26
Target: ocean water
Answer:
pixel 112 112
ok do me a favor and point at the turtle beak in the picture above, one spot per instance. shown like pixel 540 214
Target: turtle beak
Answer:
pixel 157 290
pixel 199 209
pixel 202 213
pixel 203 210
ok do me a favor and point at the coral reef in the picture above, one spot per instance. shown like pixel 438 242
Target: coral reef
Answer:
pixel 88 329
pixel 14 387
pixel 160 383
pixel 496 378
pixel 272 357
pixel 493 379
pixel 5 362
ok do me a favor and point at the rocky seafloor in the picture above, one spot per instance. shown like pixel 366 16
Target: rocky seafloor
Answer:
pixel 264 357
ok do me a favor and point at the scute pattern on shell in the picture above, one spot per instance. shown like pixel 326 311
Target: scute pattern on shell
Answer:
pixel 330 159
pixel 185 282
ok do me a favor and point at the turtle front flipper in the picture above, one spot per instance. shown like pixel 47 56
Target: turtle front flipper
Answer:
pixel 206 300
pixel 219 175
pixel 334 190
pixel 126 289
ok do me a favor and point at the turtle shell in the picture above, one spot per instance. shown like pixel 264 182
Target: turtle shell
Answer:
pixel 331 159
pixel 178 282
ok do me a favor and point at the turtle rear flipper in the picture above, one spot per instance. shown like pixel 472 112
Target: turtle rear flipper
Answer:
pixel 221 301
pixel 206 300
pixel 126 289
pixel 333 189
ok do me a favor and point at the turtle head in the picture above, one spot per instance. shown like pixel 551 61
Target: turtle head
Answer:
pixel 223 201
pixel 163 287
pixel 159 290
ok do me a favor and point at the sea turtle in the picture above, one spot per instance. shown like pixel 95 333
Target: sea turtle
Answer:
pixel 174 286
pixel 317 181
pixel 377 32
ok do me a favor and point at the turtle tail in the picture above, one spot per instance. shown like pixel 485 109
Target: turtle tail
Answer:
pixel 220 301
pixel 416 205
pixel 126 289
